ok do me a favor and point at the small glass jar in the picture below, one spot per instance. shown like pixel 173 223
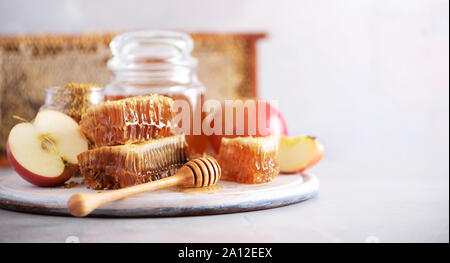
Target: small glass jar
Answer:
pixel 147 62
pixel 73 99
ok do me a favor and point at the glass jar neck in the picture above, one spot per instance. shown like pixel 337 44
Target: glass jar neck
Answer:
pixel 153 58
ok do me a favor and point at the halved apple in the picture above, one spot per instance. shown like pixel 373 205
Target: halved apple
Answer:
pixel 44 152
pixel 298 153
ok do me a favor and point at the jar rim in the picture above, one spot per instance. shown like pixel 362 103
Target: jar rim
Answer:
pixel 93 88
pixel 180 40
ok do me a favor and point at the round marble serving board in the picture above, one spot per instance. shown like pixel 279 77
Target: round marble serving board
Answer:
pixel 227 197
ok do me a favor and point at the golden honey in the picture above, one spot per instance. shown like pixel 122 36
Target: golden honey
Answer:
pixel 197 190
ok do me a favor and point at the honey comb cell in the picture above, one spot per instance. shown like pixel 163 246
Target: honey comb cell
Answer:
pixel 130 120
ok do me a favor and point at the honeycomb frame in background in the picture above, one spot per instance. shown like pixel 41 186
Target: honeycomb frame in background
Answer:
pixel 31 63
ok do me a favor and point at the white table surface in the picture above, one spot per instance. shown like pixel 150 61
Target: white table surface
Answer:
pixel 349 208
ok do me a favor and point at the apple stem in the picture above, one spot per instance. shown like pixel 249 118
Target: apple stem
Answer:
pixel 19 118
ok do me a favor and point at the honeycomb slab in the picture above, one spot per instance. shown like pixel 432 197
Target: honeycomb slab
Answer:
pixel 130 120
pixel 249 160
pixel 113 167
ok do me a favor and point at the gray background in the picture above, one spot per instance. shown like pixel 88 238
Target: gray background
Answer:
pixel 369 78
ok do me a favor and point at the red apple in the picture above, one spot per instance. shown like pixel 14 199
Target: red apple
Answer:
pixel 299 153
pixel 44 152
pixel 274 123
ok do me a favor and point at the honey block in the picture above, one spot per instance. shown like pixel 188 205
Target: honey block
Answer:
pixel 112 167
pixel 249 160
pixel 130 120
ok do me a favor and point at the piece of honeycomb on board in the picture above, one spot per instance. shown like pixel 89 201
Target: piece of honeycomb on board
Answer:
pixel 112 167
pixel 249 160
pixel 130 120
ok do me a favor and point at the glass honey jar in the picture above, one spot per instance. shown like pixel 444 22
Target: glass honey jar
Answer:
pixel 148 62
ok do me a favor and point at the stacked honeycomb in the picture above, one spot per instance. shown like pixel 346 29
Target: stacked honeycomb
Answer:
pixel 132 142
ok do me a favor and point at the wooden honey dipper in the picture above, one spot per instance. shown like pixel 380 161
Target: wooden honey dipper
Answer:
pixel 199 172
